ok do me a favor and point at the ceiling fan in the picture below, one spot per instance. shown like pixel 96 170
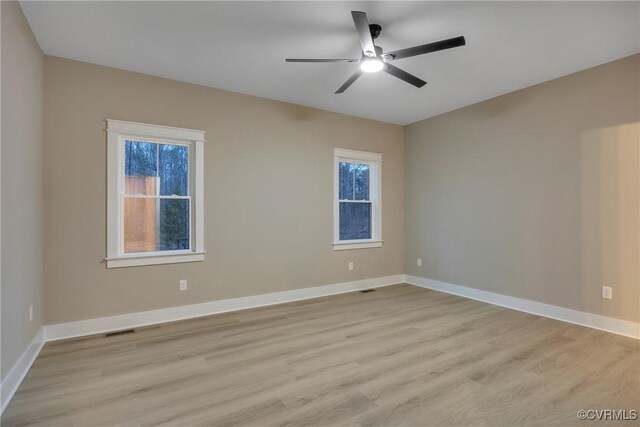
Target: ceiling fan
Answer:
pixel 374 59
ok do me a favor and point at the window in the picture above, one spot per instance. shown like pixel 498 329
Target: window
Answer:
pixel 155 194
pixel 357 200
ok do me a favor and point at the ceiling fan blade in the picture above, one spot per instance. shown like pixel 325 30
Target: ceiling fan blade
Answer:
pixel 403 75
pixel 428 48
pixel 321 60
pixel 362 26
pixel 349 81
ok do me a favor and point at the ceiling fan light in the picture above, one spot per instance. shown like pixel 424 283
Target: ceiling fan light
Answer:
pixel 371 65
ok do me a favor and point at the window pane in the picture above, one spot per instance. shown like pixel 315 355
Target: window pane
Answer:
pixel 353 181
pixel 173 169
pixel 361 181
pixel 346 181
pixel 174 225
pixel 140 225
pixel 140 167
pixel 152 224
pixel 355 221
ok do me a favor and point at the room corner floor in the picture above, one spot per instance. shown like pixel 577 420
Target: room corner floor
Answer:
pixel 401 355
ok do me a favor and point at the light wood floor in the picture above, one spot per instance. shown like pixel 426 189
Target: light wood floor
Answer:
pixel 401 355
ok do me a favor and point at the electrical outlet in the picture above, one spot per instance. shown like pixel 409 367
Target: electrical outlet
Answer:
pixel 30 313
pixel 419 262
pixel 350 265
pixel 183 285
pixel 607 292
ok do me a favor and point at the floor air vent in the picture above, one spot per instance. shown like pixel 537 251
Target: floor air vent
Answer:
pixel 366 291
pixel 116 333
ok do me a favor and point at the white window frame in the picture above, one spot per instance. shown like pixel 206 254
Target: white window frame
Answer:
pixel 117 132
pixel 374 160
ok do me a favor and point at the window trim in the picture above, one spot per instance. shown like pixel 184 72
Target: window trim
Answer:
pixel 116 131
pixel 374 160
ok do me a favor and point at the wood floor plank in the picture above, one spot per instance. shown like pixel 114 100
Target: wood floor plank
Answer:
pixel 401 356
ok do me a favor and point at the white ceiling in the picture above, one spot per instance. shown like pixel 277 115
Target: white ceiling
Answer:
pixel 241 47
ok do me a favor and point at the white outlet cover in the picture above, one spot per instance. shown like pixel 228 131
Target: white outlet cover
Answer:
pixel 351 266
pixel 419 262
pixel 607 292
pixel 30 313
pixel 183 285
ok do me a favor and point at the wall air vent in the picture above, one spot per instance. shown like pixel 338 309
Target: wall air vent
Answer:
pixel 116 333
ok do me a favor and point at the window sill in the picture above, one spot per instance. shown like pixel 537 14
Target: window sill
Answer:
pixel 140 260
pixel 344 246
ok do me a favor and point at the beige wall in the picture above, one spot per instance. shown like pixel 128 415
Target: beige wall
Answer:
pixel 533 194
pixel 22 116
pixel 268 193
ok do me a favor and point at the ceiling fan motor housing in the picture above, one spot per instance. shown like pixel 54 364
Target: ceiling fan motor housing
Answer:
pixel 375 30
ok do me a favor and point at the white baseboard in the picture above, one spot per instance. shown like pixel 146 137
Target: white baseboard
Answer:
pixel 14 378
pixel 134 320
pixel 590 320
